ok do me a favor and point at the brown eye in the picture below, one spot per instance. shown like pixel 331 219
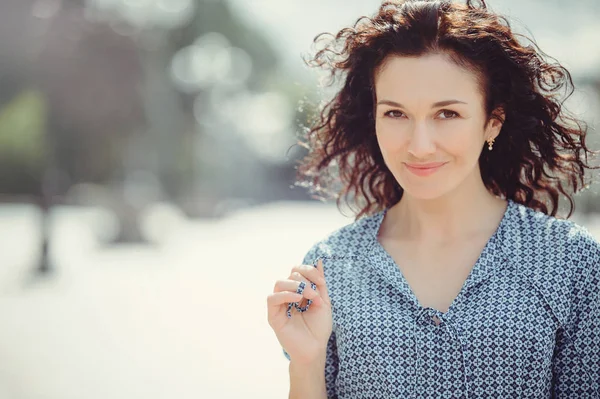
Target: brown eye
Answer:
pixel 452 114
pixel 393 113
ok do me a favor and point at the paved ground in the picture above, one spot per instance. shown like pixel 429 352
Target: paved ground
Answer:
pixel 185 318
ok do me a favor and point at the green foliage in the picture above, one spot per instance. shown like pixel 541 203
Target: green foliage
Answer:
pixel 22 133
pixel 22 129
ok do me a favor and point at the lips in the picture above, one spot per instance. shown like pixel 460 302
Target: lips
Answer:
pixel 425 165
pixel 425 169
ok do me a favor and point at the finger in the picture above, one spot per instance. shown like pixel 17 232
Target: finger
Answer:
pixel 320 267
pixel 278 303
pixel 323 287
pixel 310 273
pixel 276 299
pixel 292 285
pixel 309 292
pixel 315 274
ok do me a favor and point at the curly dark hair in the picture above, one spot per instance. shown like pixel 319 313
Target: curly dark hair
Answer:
pixel 539 154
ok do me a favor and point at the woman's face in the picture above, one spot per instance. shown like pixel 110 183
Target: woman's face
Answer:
pixel 430 112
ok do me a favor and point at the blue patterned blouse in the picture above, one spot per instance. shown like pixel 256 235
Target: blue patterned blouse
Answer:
pixel 526 323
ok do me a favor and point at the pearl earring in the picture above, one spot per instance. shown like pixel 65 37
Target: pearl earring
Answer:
pixel 490 144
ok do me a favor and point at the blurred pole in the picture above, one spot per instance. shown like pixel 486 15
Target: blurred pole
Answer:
pixel 49 189
pixel 163 109
pixel 44 261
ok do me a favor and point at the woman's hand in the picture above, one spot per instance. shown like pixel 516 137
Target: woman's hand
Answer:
pixel 304 336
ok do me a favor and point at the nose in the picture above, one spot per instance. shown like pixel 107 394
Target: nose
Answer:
pixel 421 142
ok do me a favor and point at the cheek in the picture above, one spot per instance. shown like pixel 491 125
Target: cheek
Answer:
pixel 390 138
pixel 463 143
pixel 456 144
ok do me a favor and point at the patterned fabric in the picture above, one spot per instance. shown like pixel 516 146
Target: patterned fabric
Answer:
pixel 524 325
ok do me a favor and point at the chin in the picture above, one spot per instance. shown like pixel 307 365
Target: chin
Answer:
pixel 425 194
pixel 428 190
pixel 431 187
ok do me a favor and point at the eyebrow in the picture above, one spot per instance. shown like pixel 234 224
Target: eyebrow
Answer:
pixel 434 105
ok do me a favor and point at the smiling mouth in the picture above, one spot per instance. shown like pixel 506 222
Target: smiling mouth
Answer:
pixel 424 170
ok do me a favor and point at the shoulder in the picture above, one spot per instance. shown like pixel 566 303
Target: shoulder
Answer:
pixel 346 241
pixel 560 257
pixel 542 226
pixel 560 239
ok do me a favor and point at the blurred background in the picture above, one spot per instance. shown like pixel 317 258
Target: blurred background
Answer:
pixel 147 197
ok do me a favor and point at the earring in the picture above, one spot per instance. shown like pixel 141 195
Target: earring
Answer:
pixel 490 144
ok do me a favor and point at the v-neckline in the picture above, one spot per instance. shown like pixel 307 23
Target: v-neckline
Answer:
pixel 479 270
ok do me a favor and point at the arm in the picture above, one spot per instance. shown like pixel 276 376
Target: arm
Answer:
pixel 576 361
pixel 309 382
pixel 318 380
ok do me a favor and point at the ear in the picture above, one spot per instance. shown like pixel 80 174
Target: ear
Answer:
pixel 495 123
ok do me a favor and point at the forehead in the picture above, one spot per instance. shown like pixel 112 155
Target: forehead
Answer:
pixel 427 77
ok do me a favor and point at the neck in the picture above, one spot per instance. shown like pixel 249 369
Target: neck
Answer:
pixel 455 216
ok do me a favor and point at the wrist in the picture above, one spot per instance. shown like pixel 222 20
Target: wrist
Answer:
pixel 307 375
pixel 305 365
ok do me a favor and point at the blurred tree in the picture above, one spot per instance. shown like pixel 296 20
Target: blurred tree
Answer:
pixel 91 78
pixel 102 108
pixel 22 134
pixel 216 16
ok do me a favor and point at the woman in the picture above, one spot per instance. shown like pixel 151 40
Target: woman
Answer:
pixel 460 281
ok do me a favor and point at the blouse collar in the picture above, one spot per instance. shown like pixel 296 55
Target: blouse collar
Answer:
pixel 494 254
